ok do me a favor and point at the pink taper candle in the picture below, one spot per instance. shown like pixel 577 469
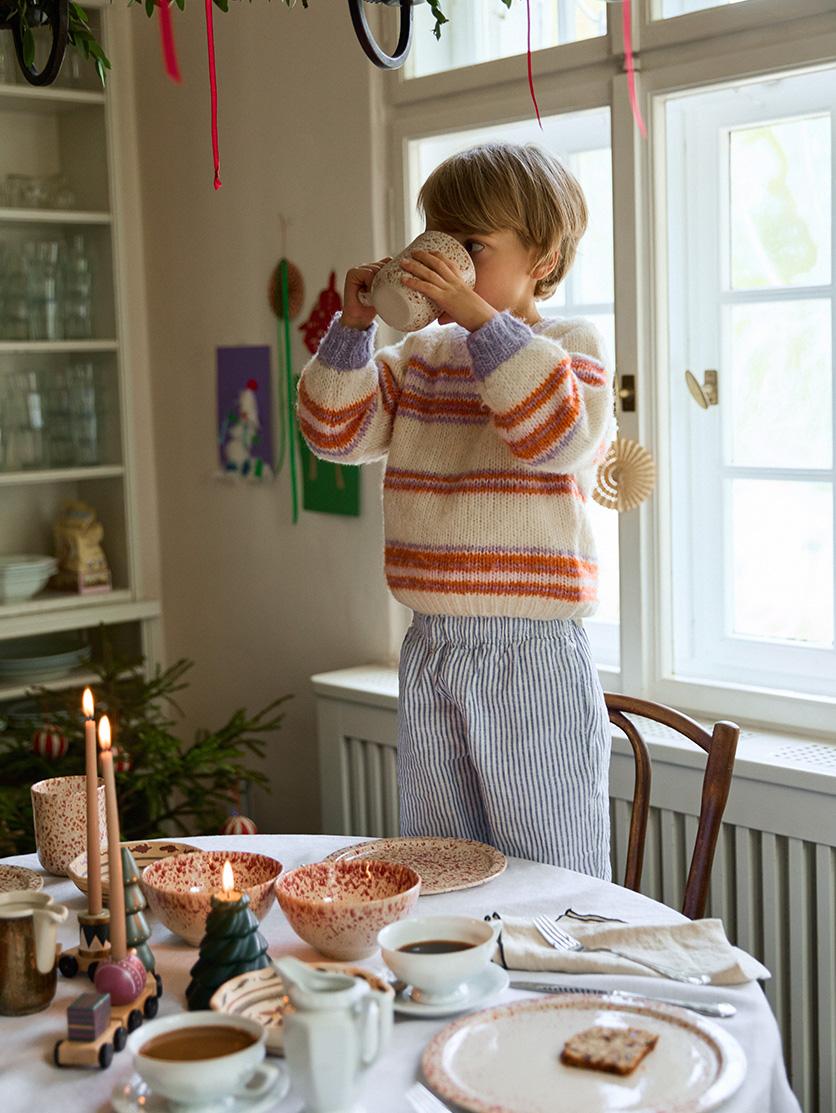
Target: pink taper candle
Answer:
pixel 94 850
pixel 118 933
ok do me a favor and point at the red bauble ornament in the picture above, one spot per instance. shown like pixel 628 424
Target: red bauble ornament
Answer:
pixel 49 743
pixel 328 303
pixel 123 980
pixel 122 761
pixel 239 825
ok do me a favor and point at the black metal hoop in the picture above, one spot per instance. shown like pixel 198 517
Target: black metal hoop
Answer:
pixel 57 13
pixel 368 41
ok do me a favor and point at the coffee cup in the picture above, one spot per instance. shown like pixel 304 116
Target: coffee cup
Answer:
pixel 202 1057
pixel 405 309
pixel 438 955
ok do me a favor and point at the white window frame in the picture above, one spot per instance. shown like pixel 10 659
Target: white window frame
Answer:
pixel 694 51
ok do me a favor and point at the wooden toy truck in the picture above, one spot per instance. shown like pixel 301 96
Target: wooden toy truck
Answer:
pixel 96 1028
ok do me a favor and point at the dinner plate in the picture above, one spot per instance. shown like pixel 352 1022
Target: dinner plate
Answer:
pixel 507 1060
pixel 14 878
pixel 261 996
pixel 144 851
pixel 444 865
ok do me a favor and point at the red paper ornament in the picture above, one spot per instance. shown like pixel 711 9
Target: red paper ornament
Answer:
pixel 328 303
pixel 295 290
pixel 49 743
pixel 122 761
pixel 239 825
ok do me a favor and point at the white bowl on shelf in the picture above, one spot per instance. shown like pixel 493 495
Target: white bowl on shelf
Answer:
pixel 23 575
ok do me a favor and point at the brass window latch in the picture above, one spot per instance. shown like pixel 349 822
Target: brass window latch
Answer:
pixel 626 392
pixel 706 393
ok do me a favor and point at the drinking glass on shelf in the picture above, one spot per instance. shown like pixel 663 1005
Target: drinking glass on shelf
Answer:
pixel 61 193
pixel 77 290
pixel 84 409
pixel 14 318
pixel 23 422
pixel 41 263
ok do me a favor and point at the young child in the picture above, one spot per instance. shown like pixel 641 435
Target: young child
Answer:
pixel 493 424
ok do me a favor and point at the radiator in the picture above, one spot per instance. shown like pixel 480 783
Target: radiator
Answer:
pixel 774 877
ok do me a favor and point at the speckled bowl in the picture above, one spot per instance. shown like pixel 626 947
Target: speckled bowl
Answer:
pixel 179 889
pixel 339 907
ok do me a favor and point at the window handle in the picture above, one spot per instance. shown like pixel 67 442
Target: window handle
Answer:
pixel 706 393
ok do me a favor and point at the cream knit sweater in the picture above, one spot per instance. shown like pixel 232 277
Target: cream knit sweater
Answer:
pixel 493 438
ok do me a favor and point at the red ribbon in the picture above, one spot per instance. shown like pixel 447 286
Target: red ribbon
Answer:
pixel 213 86
pixel 631 69
pixel 167 34
pixel 530 75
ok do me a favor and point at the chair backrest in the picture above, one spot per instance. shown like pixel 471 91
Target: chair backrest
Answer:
pixel 720 746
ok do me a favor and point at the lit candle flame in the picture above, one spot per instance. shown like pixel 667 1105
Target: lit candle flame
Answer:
pixel 104 732
pixel 87 704
pixel 227 879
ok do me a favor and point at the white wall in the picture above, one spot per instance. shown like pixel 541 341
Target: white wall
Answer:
pixel 259 604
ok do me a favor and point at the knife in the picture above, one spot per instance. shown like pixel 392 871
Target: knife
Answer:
pixel 721 1009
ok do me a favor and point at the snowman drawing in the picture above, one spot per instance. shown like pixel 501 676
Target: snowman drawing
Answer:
pixel 240 435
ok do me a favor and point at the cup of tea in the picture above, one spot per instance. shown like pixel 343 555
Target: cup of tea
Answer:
pixel 203 1057
pixel 438 955
pixel 408 310
pixel 59 809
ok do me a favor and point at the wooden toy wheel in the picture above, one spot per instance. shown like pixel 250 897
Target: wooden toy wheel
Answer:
pixel 105 1055
pixel 120 1038
pixel 134 1019
pixel 68 965
pixel 56 1053
pixel 151 1008
pixel 368 42
pixel 56 14
pixel 159 982
pixel 91 970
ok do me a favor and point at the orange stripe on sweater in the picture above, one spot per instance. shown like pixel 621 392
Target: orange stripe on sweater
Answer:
pixel 549 432
pixel 333 417
pixel 538 397
pixel 429 371
pixel 464 560
pixel 331 441
pixel 442 404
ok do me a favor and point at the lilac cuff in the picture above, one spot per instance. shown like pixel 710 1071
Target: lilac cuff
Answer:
pixel 347 349
pixel 498 339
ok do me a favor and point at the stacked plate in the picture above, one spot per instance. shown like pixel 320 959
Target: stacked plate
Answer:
pixel 23 575
pixel 33 659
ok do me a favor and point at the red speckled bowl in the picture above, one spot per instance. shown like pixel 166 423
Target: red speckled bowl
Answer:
pixel 179 889
pixel 339 907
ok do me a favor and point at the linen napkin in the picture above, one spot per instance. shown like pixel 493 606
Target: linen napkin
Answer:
pixel 694 947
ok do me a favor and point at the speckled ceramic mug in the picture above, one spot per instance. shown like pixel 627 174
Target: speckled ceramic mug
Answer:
pixel 407 310
pixel 59 807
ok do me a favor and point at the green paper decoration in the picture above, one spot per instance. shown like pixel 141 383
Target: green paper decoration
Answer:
pixel 329 488
pixel 232 945
pixel 136 926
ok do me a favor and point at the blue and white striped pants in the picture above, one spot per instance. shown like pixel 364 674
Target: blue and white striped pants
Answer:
pixel 503 737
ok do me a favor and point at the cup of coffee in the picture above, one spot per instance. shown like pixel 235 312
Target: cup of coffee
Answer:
pixel 408 310
pixel 438 955
pixel 59 809
pixel 202 1057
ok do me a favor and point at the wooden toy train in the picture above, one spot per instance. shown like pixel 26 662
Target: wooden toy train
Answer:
pixel 96 1028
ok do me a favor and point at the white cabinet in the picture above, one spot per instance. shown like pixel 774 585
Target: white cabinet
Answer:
pixel 74 395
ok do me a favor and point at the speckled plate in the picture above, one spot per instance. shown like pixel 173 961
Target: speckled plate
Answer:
pixel 507 1060
pixel 151 850
pixel 444 865
pixel 261 996
pixel 15 878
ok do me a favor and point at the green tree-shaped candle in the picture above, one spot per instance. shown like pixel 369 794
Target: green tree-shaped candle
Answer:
pixel 232 945
pixel 137 930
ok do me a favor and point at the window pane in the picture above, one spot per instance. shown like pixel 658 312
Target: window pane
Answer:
pixel 605 528
pixel 593 269
pixel 780 203
pixel 780 362
pixel 484 30
pixel 682 7
pixel 782 577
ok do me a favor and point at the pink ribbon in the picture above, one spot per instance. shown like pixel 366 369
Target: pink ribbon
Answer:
pixel 167 35
pixel 213 86
pixel 627 23
pixel 530 75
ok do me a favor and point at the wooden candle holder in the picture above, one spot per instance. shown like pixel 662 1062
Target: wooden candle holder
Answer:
pixel 97 1053
pixel 93 945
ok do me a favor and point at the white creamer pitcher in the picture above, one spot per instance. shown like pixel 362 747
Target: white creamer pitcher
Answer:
pixel 338 1026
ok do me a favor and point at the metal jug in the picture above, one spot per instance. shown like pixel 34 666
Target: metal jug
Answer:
pixel 28 953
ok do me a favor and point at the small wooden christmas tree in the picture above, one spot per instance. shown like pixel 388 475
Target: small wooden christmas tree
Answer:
pixel 138 932
pixel 232 945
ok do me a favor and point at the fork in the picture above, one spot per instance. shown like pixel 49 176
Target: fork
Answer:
pixel 562 941
pixel 423 1101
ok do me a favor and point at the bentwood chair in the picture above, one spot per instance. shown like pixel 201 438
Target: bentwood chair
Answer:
pixel 720 746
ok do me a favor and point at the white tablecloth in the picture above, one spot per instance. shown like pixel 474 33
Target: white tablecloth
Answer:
pixel 29 1082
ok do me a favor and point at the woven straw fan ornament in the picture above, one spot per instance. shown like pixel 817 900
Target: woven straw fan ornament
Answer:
pixel 626 476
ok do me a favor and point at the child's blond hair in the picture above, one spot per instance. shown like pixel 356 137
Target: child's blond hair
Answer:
pixel 498 186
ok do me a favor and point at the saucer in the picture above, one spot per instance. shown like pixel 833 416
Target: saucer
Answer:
pixel 492 981
pixel 135 1096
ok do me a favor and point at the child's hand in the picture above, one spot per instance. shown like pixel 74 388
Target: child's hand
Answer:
pixel 431 274
pixel 355 314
